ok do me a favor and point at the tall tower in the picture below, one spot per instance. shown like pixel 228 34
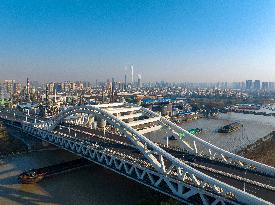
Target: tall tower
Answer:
pixel 47 95
pixel 139 81
pixel 46 108
pixel 132 73
pixel 113 89
pixel 28 90
pixel 125 82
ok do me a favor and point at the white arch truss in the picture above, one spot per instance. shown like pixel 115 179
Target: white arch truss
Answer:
pixel 162 163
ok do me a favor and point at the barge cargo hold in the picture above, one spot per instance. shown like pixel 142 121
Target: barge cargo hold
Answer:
pixel 36 175
pixel 230 128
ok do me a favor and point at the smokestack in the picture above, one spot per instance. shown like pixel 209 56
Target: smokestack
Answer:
pixel 139 80
pixel 132 73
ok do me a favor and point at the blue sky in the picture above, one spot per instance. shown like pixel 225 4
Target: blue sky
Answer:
pixel 181 40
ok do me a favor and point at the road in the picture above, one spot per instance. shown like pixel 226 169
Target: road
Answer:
pixel 254 183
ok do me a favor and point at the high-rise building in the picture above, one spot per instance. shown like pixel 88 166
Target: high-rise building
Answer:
pixel 27 91
pixel 139 81
pixel 79 85
pixel 66 86
pixel 125 82
pixel 73 86
pixel 248 84
pixel 8 86
pixel 132 74
pixel 257 84
pixel 236 85
pixel 271 85
pixel 58 87
pixel 51 87
pixel 113 88
pixel 265 86
pixel 17 88
pixel 86 84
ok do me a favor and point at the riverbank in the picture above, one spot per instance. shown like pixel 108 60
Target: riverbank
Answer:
pixel 263 150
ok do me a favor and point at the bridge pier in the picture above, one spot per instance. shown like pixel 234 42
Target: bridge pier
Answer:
pixel 44 143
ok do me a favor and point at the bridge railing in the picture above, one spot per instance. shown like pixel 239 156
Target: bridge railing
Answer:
pixel 159 157
pixel 194 143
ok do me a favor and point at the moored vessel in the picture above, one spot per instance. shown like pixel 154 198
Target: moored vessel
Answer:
pixel 230 127
pixel 35 175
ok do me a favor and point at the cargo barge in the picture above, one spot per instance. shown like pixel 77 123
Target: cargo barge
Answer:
pixel 36 175
pixel 230 128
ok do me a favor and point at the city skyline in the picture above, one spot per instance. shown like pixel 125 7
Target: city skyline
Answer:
pixel 185 41
pixel 129 81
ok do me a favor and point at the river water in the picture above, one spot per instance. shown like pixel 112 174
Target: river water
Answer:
pixel 97 186
pixel 90 185
pixel 254 128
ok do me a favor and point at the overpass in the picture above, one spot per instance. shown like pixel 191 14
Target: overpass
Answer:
pixel 118 137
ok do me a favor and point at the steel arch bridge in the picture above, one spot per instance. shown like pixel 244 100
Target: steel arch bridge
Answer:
pixel 161 171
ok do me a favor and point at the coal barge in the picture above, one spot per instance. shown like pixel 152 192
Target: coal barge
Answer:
pixel 230 128
pixel 36 175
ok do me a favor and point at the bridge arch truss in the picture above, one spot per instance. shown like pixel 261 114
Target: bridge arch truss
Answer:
pixel 163 171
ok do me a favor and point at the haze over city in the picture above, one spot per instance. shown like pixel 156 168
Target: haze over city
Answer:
pixel 177 40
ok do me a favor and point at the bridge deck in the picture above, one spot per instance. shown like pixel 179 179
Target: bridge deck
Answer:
pixel 257 184
pixel 212 168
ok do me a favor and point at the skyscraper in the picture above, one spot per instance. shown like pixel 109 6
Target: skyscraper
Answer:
pixel 248 84
pixel 265 85
pixel 139 81
pixel 271 85
pixel 257 84
pixel 8 85
pixel 125 82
